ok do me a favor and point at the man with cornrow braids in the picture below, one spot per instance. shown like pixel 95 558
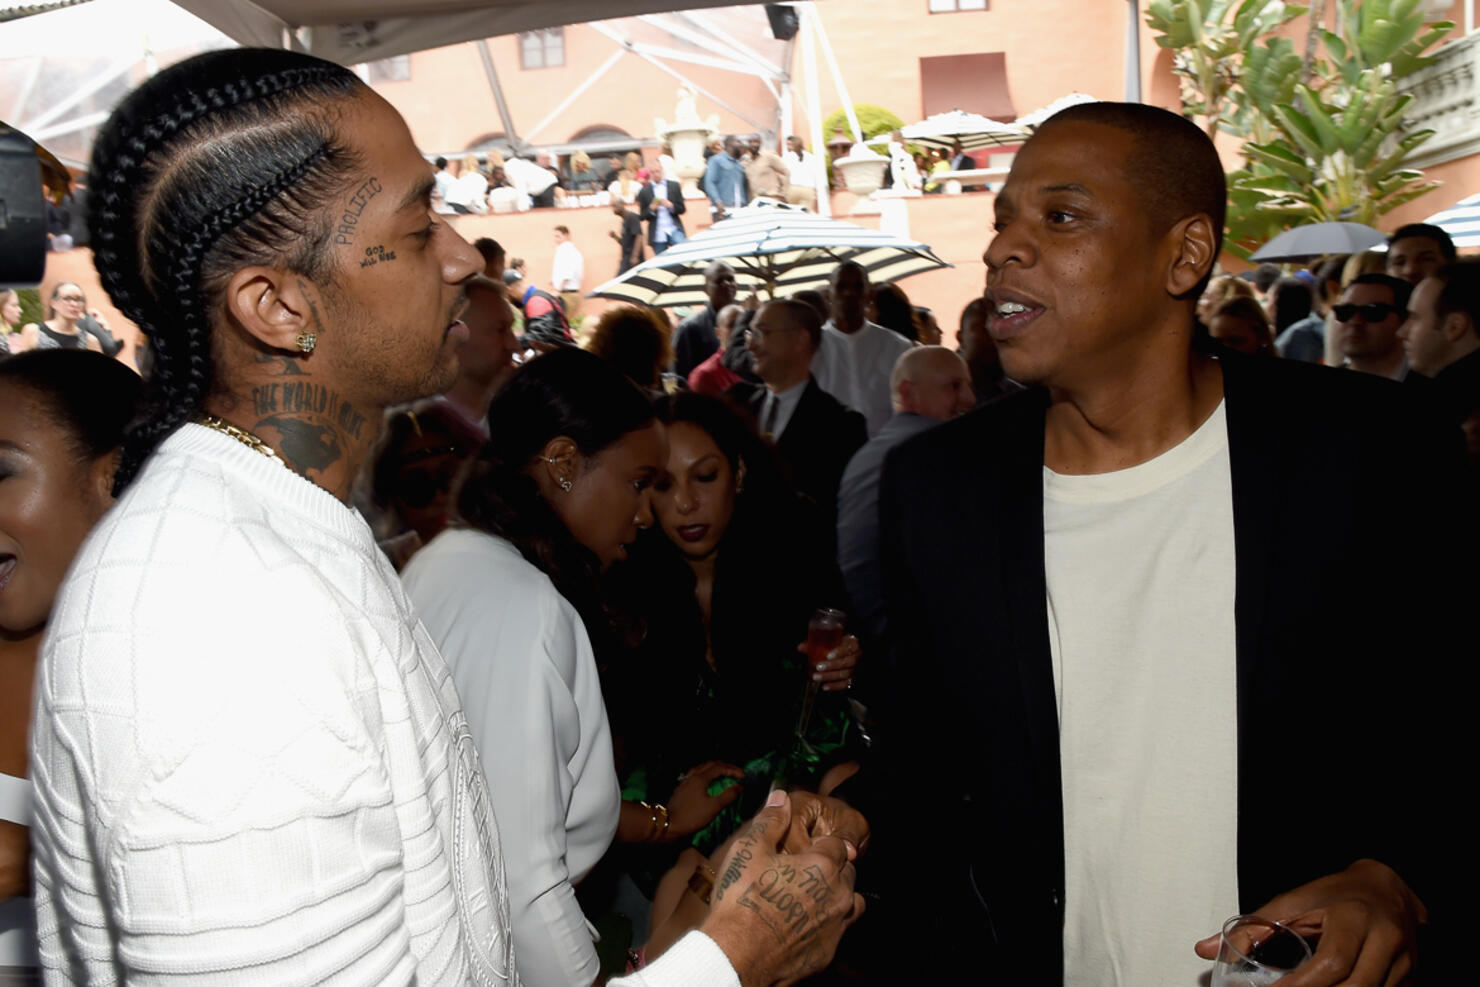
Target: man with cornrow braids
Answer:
pixel 249 761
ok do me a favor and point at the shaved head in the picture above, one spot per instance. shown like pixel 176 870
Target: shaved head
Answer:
pixel 1174 167
pixel 931 381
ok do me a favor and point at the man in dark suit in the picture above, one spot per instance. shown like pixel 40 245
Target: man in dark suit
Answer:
pixel 661 205
pixel 1139 685
pixel 814 435
pixel 694 339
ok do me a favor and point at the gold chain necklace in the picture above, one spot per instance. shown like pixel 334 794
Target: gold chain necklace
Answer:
pixel 240 434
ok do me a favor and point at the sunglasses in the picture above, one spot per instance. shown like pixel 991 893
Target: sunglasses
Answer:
pixel 1371 312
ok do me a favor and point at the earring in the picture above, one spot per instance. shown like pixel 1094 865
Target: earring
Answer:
pixel 566 485
pixel 306 341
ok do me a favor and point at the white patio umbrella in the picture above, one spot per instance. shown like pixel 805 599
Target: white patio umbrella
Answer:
pixel 973 130
pixel 1029 121
pixel 776 250
pixel 1461 221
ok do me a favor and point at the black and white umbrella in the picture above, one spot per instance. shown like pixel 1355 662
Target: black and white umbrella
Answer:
pixel 1461 221
pixel 775 250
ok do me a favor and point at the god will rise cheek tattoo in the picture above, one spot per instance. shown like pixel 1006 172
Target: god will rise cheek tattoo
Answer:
pixel 374 255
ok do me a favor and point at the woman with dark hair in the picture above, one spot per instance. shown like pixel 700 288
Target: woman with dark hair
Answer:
pixel 515 601
pixel 730 575
pixel 62 417
pixel 890 307
pixel 635 340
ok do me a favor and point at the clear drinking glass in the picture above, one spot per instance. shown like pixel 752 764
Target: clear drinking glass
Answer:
pixel 824 633
pixel 1256 952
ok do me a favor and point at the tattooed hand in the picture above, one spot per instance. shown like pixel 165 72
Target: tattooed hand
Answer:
pixel 778 916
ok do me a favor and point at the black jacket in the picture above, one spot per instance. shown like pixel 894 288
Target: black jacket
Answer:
pixel 650 215
pixel 1348 643
pixel 814 449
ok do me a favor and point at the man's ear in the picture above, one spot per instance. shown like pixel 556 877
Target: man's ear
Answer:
pixel 907 395
pixel 1455 325
pixel 1196 248
pixel 274 305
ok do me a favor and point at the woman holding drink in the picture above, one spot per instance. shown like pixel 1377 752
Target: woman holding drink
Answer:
pixel 731 575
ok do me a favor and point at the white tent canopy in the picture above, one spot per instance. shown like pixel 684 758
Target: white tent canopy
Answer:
pixel 354 31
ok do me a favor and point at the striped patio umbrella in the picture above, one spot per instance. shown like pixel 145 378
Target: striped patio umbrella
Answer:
pixel 777 250
pixel 1461 221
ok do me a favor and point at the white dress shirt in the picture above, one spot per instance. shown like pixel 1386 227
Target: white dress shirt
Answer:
pixel 784 404
pixel 568 269
pixel 803 168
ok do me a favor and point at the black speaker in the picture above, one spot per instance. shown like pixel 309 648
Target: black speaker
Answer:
pixel 22 211
pixel 783 20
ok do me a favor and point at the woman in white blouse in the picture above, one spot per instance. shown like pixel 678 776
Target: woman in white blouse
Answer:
pixel 469 191
pixel 513 600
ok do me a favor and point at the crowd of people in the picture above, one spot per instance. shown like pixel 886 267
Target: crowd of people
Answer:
pixel 1124 654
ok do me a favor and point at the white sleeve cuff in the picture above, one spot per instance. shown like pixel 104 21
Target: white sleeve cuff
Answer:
pixel 694 961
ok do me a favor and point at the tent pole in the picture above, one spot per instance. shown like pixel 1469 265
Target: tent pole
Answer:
pixel 79 94
pixel 832 64
pixel 498 94
pixel 602 29
pixel 814 110
pixel 575 93
pixel 1133 53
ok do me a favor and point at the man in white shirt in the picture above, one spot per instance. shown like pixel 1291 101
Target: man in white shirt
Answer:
pixel 249 762
pixel 802 167
pixel 1107 601
pixel 445 180
pixel 857 356
pixel 532 180
pixel 566 272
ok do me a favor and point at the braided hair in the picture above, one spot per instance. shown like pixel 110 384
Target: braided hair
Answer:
pixel 225 160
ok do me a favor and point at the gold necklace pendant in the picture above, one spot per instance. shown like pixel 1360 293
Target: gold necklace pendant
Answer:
pixel 240 434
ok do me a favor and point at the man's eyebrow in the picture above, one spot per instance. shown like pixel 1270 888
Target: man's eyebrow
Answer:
pixel 420 195
pixel 1071 187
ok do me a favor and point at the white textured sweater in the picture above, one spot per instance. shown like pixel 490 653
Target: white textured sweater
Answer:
pixel 250 763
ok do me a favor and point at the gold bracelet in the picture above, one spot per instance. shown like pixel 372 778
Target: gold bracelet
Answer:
pixel 653 818
pixel 664 831
pixel 701 882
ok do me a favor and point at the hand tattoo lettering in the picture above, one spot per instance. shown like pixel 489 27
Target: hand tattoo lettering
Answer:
pixel 792 903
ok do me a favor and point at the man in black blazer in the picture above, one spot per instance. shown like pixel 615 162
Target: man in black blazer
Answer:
pixel 813 433
pixel 661 206
pixel 1327 657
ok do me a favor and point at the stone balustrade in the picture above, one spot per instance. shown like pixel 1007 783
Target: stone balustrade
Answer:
pixel 1446 99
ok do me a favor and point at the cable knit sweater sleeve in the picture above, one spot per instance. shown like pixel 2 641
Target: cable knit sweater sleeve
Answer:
pixel 213 800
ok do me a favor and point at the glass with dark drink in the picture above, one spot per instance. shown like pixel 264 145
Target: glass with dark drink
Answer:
pixel 824 633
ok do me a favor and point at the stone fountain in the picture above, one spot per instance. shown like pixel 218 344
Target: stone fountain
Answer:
pixel 688 135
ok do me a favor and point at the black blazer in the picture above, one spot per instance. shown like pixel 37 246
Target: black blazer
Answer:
pixel 820 438
pixel 1348 645
pixel 650 215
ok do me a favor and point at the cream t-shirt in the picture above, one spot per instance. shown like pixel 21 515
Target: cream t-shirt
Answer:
pixel 1140 574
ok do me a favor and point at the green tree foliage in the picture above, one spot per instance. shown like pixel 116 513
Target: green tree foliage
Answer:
pixel 1324 138
pixel 873 120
